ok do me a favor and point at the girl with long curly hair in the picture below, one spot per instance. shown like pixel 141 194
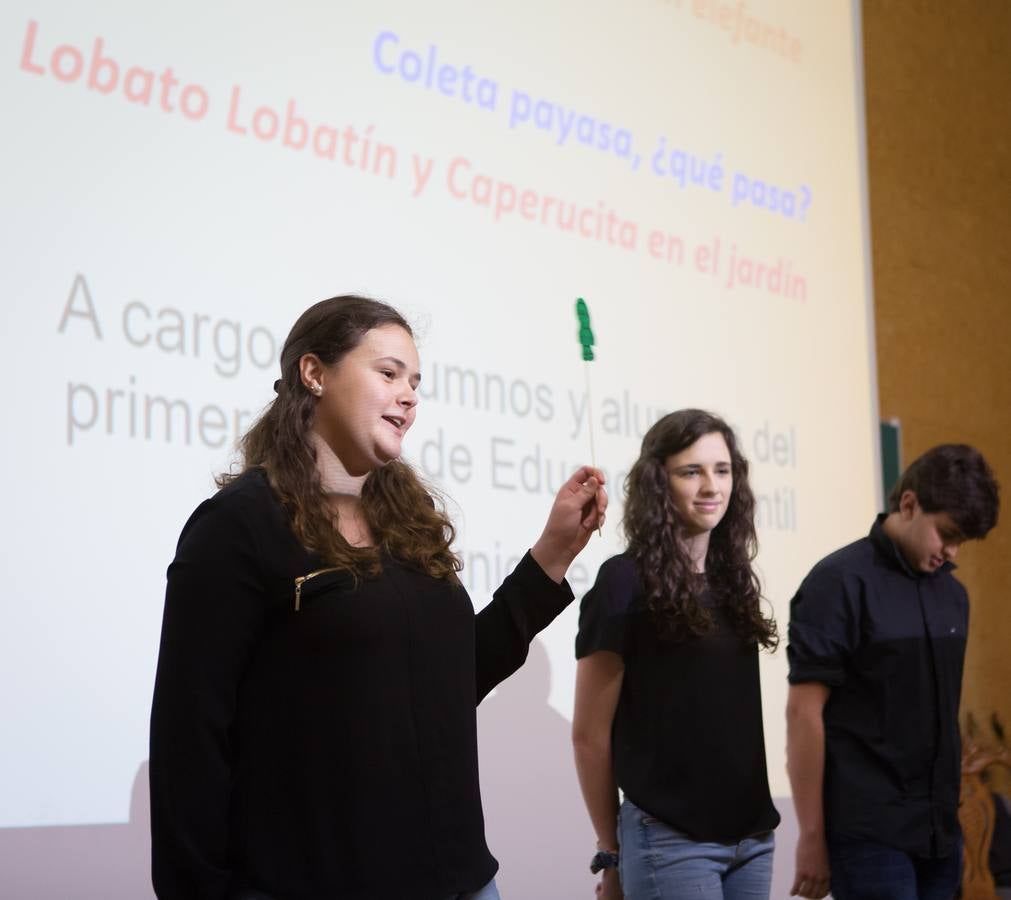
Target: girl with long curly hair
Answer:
pixel 313 731
pixel 668 707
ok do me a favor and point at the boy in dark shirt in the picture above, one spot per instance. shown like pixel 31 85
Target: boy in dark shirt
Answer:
pixel 877 642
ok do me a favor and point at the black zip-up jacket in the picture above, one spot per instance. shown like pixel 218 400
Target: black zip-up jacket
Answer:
pixel 328 752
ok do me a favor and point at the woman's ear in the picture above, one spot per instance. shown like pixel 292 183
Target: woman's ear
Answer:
pixel 312 372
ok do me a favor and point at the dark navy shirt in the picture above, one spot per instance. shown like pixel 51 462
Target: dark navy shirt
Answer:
pixel 890 643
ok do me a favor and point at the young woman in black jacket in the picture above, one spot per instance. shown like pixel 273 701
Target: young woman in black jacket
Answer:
pixel 313 731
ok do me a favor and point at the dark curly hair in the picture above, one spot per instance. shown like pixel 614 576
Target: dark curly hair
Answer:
pixel 404 514
pixel 654 531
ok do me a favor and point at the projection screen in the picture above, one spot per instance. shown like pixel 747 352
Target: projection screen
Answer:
pixel 181 180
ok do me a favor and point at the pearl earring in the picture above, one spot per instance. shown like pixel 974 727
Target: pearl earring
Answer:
pixel 317 389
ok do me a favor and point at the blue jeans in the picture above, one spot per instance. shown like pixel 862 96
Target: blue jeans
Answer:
pixel 658 863
pixel 488 892
pixel 867 870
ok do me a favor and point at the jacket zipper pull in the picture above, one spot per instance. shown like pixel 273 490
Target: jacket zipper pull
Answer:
pixel 304 578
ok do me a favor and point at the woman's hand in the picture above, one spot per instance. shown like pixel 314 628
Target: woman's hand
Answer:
pixel 577 512
pixel 609 887
pixel 812 878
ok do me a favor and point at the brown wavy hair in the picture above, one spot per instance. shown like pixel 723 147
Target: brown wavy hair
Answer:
pixel 673 590
pixel 406 516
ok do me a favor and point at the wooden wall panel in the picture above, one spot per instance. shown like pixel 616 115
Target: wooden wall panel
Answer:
pixel 938 83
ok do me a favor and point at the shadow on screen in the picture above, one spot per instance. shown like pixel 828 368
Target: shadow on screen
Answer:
pixel 535 820
pixel 86 862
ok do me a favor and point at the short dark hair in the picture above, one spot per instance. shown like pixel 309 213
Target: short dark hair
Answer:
pixel 954 479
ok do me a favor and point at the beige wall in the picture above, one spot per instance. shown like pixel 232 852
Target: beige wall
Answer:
pixel 938 81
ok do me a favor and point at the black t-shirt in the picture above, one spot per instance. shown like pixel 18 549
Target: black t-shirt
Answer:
pixel 687 739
